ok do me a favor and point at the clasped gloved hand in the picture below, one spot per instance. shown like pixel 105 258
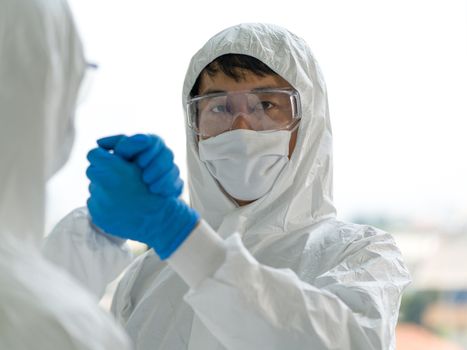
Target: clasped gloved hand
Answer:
pixel 134 190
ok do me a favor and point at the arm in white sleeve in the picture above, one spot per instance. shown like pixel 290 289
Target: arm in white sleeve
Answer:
pixel 199 256
pixel 247 305
pixel 92 257
pixel 43 308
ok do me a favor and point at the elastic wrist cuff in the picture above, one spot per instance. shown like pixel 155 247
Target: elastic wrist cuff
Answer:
pixel 199 257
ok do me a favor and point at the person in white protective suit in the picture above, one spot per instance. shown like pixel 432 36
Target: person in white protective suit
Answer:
pixel 264 263
pixel 41 68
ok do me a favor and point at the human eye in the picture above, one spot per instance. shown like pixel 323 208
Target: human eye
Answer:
pixel 263 105
pixel 267 105
pixel 217 105
pixel 218 109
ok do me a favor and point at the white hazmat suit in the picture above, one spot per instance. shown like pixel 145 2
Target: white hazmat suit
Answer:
pixel 41 68
pixel 279 273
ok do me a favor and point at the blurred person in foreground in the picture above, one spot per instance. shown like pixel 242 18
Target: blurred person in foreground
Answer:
pixel 41 68
pixel 259 260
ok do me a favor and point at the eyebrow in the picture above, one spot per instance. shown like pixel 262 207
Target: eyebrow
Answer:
pixel 215 91
pixel 212 91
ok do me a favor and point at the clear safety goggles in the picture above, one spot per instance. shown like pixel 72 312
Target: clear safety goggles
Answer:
pixel 262 110
pixel 87 82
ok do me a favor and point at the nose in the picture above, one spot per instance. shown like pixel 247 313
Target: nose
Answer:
pixel 241 121
pixel 240 109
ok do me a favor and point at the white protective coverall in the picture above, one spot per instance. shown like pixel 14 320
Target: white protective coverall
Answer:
pixel 280 273
pixel 41 68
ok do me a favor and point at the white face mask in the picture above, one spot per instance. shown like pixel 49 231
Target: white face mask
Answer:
pixel 246 163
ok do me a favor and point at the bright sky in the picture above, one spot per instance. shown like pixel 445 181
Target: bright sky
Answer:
pixel 397 80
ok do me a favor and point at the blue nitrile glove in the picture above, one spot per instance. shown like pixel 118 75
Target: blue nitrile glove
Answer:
pixel 121 204
pixel 155 159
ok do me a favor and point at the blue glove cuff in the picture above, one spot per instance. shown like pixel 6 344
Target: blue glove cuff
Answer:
pixel 192 221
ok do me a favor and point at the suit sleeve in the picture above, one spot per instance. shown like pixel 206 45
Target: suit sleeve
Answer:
pixel 247 305
pixel 94 258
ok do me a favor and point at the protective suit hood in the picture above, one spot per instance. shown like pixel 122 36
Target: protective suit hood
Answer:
pixel 41 68
pixel 302 194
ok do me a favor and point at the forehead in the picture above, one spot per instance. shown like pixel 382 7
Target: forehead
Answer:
pixel 223 83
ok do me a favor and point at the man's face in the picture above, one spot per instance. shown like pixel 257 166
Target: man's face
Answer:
pixel 223 83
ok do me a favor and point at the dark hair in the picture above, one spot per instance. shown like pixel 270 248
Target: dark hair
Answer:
pixel 232 66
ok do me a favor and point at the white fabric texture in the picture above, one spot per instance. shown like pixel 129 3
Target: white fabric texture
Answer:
pixel 41 67
pixel 99 250
pixel 199 256
pixel 293 276
pixel 246 163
